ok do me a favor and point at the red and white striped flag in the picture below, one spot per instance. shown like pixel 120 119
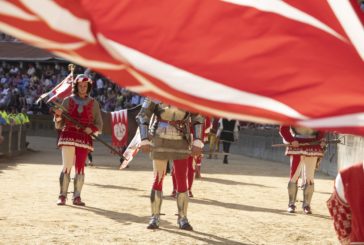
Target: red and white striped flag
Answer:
pixel 268 61
pixel 61 90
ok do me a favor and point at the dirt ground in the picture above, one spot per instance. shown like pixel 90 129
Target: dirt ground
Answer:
pixel 243 202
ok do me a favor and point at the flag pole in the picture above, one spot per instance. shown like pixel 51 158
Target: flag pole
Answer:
pixel 333 141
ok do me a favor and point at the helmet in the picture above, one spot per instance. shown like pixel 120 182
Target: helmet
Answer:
pixel 82 78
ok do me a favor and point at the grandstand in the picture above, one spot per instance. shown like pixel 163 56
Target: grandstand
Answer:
pixel 27 72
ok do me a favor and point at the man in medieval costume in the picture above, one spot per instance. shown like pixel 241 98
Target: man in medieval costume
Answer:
pixel 306 148
pixel 228 132
pixel 213 139
pixel 165 133
pixel 76 142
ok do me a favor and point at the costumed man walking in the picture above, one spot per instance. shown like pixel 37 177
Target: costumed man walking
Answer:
pixel 76 143
pixel 306 148
pixel 228 132
pixel 213 139
pixel 167 137
pixel 346 204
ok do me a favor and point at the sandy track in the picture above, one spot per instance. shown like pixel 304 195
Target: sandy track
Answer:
pixel 243 202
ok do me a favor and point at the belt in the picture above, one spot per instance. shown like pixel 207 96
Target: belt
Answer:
pixel 177 123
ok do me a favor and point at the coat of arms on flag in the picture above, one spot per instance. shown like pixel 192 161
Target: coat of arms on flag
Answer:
pixel 119 124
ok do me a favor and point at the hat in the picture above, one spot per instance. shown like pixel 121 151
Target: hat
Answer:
pixel 82 78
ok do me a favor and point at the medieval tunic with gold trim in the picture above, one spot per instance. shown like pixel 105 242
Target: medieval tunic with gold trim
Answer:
pixel 303 135
pixel 87 113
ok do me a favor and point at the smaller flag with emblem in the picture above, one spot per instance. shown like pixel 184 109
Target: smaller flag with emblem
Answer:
pixel 119 124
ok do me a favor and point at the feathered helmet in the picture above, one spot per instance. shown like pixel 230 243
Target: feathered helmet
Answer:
pixel 81 78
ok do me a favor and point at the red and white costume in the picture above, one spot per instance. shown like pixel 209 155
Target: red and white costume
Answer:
pixel 86 112
pixel 167 128
pixel 346 205
pixel 303 157
pixel 74 142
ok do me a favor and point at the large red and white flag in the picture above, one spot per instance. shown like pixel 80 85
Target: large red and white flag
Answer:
pixel 268 61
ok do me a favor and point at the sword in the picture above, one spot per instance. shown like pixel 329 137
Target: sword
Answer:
pixel 333 141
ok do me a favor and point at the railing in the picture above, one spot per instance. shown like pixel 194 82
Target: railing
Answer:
pixel 15 135
pixel 14 140
pixel 41 125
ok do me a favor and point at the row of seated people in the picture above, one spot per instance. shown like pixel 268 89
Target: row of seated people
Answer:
pixel 21 84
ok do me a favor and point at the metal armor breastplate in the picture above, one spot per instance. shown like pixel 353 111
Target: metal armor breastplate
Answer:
pixel 301 132
pixel 170 114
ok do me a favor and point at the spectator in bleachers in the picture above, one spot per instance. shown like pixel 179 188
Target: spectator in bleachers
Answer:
pixel 31 70
pixel 100 86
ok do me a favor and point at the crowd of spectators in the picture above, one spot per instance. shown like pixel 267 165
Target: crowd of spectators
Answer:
pixel 21 84
pixel 111 96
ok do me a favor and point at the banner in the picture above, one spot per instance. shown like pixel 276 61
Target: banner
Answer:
pixel 62 90
pixel 119 125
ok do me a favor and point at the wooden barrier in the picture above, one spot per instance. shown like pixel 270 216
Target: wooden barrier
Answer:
pixel 14 140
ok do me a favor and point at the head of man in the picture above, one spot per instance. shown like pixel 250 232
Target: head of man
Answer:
pixel 82 86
